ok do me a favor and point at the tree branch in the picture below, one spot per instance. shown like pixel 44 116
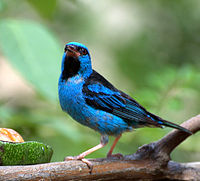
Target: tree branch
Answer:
pixel 168 143
pixel 150 162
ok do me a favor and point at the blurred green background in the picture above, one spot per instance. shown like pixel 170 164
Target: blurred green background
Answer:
pixel 149 49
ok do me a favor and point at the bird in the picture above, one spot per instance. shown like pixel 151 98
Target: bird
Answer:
pixel 94 102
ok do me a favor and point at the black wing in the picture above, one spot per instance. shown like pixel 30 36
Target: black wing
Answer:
pixel 102 95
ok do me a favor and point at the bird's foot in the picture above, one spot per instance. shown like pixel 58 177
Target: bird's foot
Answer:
pixel 89 164
pixel 115 156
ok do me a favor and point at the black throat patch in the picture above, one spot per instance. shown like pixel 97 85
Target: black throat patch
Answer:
pixel 71 67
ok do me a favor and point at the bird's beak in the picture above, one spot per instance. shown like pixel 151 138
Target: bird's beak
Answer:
pixel 71 51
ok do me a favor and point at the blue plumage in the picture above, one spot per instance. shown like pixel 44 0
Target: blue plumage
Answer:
pixel 92 101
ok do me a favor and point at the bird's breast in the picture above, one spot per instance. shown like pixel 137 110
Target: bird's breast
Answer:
pixel 71 97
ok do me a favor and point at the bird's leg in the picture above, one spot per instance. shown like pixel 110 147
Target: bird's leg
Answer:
pixel 104 141
pixel 119 155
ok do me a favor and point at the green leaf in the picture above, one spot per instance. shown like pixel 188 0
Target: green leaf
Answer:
pixel 33 51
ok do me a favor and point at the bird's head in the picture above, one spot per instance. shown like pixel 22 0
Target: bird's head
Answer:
pixel 76 60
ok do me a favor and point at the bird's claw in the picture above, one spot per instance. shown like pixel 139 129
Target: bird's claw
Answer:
pixel 89 163
pixel 116 156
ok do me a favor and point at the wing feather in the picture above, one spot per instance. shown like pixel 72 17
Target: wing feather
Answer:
pixel 100 94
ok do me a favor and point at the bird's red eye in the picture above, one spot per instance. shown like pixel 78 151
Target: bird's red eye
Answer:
pixel 84 51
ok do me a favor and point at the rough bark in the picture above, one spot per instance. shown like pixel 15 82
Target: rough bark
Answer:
pixel 150 162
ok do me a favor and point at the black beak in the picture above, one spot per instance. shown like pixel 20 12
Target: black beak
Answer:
pixel 70 48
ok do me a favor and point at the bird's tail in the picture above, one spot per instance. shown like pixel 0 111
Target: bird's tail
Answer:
pixel 169 124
